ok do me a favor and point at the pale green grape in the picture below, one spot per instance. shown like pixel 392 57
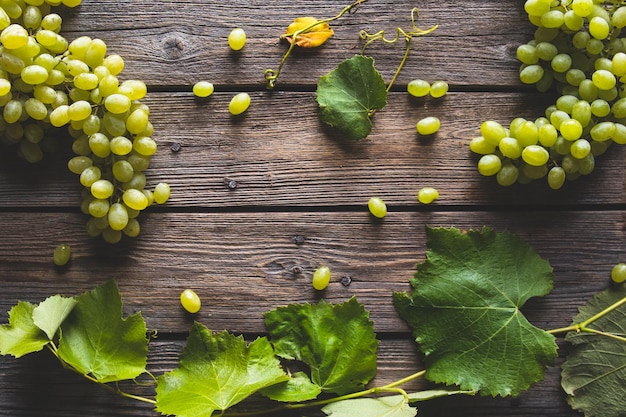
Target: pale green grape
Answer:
pixel 531 74
pixel 102 189
pixel 62 254
pixel 377 207
pixel 161 192
pixel 489 165
pixel 321 278
pixel 117 103
pixel 34 74
pixel 582 8
pixel 603 79
pixel 510 148
pixel 428 125
pixel 439 89
pixel 618 273
pixel 526 53
pixel 190 301
pixel 556 178
pixel 90 175
pixel 580 148
pixel 123 171
pixel 507 175
pixel 571 129
pixel 86 81
pixel 203 89
pixel 239 104
pixel 599 28
pixel 79 110
pixel 133 227
pixel 99 207
pixel 237 39
pixel 492 132
pixel 100 145
pixel 535 155
pixel 35 109
pixel 121 145
pixel 137 121
pixel 111 236
pixel 14 36
pixel 427 195
pixel 527 134
pixel 479 145
pixel 118 216
pixel 418 88
pixel 135 199
pixel 144 145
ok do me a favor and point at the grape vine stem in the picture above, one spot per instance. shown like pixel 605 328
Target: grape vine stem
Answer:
pixel 271 76
pixel 584 325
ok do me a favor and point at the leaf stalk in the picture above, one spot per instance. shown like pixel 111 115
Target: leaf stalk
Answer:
pixel 584 325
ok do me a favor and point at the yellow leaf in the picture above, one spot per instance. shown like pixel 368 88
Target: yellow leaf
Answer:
pixel 311 32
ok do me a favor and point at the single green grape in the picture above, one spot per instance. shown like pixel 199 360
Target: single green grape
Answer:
pixel 377 207
pixel 239 104
pixel 321 278
pixel 190 301
pixel 418 88
pixel 203 89
pixel 237 39
pixel 438 89
pixel 427 195
pixel 618 274
pixel 428 126
pixel 62 254
pixel 161 193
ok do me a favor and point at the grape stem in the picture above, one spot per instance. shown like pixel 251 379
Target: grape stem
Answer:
pixel 271 75
pixel 584 325
pixel 400 33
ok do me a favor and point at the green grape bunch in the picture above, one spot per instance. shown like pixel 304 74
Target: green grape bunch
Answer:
pixel 579 51
pixel 48 83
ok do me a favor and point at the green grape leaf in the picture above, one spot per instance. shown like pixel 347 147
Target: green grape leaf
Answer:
pixel 297 389
pixel 21 336
pixel 337 342
pixel 96 340
pixel 51 312
pixel 465 311
pixel 435 393
pixel 216 371
pixel 350 94
pixel 392 406
pixel 594 372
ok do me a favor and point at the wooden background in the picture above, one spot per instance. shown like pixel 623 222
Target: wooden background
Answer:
pixel 241 249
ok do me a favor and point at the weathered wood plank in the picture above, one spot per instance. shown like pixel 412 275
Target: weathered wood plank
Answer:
pixel 243 264
pixel 175 43
pixel 280 154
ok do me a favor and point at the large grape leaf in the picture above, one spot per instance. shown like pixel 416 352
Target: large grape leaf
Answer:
pixel 337 342
pixel 594 372
pixel 21 336
pixel 349 95
pixel 216 371
pixel 465 311
pixel 96 340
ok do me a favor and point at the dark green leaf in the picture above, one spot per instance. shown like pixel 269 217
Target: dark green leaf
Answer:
pixel 336 341
pixel 297 389
pixel 21 336
pixel 349 94
pixel 216 371
pixel 465 311
pixel 96 340
pixel 594 372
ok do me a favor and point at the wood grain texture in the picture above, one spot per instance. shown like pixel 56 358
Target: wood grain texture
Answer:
pixel 301 189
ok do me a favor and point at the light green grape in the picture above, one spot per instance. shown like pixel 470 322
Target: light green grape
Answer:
pixel 535 155
pixel 190 301
pixel 239 104
pixel 62 254
pixel 489 165
pixel 321 278
pixel 427 195
pixel 203 89
pixel 135 199
pixel 618 273
pixel 377 207
pixel 161 193
pixel 237 39
pixel 439 89
pixel 418 88
pixel 428 126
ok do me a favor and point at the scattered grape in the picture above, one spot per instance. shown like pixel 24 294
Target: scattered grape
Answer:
pixel 438 89
pixel 62 254
pixel 618 274
pixel 418 88
pixel 428 126
pixel 427 195
pixel 190 301
pixel 377 207
pixel 321 278
pixel 203 89
pixel 237 39
pixel 239 104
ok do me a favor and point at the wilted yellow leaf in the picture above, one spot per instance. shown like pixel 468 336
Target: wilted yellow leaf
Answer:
pixel 314 33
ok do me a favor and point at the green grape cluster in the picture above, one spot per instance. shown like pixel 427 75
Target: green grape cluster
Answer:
pixel 579 51
pixel 47 83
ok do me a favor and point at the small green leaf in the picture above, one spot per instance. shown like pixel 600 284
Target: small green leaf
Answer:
pixel 50 313
pixel 96 340
pixel 349 95
pixel 465 311
pixel 297 389
pixel 21 336
pixel 435 393
pixel 594 372
pixel 336 341
pixel 393 406
pixel 216 371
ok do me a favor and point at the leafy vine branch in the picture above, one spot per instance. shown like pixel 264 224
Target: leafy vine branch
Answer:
pixel 272 75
